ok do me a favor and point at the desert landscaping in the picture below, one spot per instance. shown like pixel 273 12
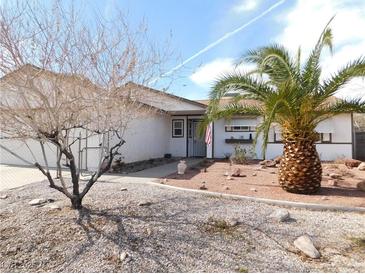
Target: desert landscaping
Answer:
pixel 341 184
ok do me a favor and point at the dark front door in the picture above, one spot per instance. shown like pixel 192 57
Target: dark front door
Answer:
pixel 196 144
pixel 359 145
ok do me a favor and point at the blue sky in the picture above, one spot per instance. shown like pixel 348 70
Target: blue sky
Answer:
pixel 195 24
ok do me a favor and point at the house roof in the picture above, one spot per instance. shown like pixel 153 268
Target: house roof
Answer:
pixel 227 100
pixel 198 103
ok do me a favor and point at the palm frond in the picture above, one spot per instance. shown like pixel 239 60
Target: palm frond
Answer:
pixel 312 71
pixel 342 77
pixel 274 61
pixel 342 106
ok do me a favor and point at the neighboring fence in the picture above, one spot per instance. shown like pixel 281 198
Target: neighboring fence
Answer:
pixel 359 147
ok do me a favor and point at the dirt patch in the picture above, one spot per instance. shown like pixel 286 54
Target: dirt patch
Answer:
pixel 263 183
pixel 120 167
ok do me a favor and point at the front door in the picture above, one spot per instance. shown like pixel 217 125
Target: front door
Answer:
pixel 196 144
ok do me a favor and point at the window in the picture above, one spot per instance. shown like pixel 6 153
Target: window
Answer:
pixel 178 128
pixel 326 137
pixel 230 128
pixel 277 137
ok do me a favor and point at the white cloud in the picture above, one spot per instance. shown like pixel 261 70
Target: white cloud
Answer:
pixel 307 19
pixel 206 75
pixel 246 5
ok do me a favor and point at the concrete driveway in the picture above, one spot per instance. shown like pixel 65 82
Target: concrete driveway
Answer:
pixel 16 176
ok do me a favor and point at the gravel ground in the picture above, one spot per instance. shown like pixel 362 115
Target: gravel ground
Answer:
pixel 178 232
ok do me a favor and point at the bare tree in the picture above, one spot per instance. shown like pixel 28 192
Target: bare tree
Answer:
pixel 64 80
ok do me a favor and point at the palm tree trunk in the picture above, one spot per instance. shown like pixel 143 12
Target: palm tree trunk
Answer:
pixel 300 169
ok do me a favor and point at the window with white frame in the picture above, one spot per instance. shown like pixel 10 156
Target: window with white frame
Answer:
pixel 177 128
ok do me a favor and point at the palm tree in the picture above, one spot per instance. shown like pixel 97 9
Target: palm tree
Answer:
pixel 293 96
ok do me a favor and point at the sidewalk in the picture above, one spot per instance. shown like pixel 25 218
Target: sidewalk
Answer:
pixel 17 176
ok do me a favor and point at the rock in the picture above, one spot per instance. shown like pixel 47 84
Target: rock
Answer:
pixel 229 178
pixel 253 189
pixel 324 198
pixel 203 187
pixel 54 206
pixel 305 244
pixel 361 186
pixel 281 215
pixel 226 173
pixel 332 182
pixel 148 231
pixel 35 202
pixel 267 163
pixel 350 163
pixel 145 203
pixel 361 166
pixel 335 176
pixel 4 196
pixel 278 159
pixel 123 189
pixel 263 162
pixel 123 256
pixel 277 165
pixel 236 172
pixel 233 222
pixel 254 174
pixel 226 188
pixel 272 172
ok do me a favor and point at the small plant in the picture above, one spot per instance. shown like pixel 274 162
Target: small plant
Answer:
pixel 359 242
pixel 239 155
pixel 215 225
pixel 242 270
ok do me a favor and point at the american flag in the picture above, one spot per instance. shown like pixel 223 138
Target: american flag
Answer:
pixel 208 134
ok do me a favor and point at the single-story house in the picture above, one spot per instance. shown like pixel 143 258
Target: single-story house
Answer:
pixel 174 131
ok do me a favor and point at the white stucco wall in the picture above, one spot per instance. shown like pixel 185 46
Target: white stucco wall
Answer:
pixel 221 148
pixel 340 127
pixel 31 151
pixel 146 138
pixel 178 145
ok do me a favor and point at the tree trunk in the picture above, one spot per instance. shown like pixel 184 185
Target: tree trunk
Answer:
pixel 76 202
pixel 300 169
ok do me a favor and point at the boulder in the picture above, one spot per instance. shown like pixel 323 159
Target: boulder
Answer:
pixel 280 215
pixel 278 159
pixel 305 244
pixel 35 202
pixel 268 163
pixel 361 186
pixel 361 166
pixel 350 163
pixel 236 172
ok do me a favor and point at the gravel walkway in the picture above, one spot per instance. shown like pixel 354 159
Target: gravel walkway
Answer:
pixel 178 232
